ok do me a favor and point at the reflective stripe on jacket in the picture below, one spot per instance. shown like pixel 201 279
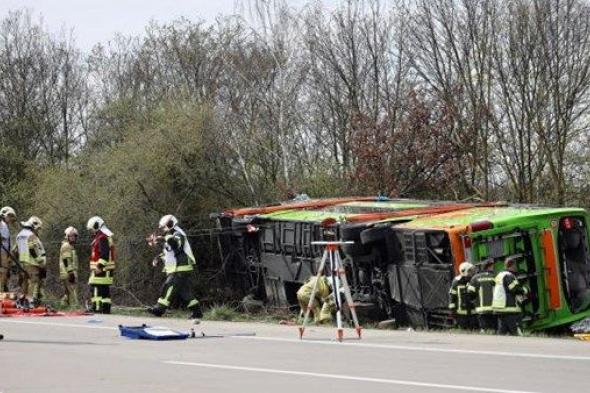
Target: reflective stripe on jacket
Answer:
pixel 30 248
pixel 481 286
pixel 506 288
pixel 459 301
pixel 103 252
pixel 102 255
pixel 177 253
pixel 323 289
pixel 68 259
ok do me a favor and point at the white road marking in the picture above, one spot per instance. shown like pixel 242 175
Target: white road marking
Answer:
pixel 58 324
pixel 347 377
pixel 416 348
pixel 344 344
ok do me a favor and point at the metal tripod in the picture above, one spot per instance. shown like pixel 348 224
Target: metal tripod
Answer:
pixel 332 255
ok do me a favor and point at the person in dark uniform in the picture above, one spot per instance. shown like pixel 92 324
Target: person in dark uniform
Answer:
pixel 459 301
pixel 481 294
pixel 505 303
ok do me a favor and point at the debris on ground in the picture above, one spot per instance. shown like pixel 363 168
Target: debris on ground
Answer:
pixel 582 326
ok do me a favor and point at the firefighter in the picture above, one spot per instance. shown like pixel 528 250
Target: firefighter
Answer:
pixel 481 292
pixel 102 265
pixel 68 267
pixel 459 300
pixel 7 217
pixel 31 255
pixel 507 291
pixel 179 263
pixel 323 296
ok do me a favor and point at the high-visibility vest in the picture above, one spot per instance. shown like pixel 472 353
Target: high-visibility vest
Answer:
pixel 177 253
pixel 506 288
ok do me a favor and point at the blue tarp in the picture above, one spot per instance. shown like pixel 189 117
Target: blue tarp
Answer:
pixel 145 332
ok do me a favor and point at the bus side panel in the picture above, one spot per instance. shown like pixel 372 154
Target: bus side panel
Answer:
pixel 457 246
pixel 551 270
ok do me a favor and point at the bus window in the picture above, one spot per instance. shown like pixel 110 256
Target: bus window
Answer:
pixel 575 263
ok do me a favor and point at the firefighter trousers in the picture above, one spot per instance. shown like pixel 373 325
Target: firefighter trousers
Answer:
pixel 100 298
pixel 32 283
pixel 488 321
pixel 321 314
pixel 508 323
pixel 178 290
pixel 4 271
pixel 70 297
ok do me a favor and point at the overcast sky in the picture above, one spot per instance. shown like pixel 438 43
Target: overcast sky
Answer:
pixel 97 20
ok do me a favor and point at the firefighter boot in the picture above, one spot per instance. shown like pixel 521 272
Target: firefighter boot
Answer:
pixel 158 310
pixel 196 312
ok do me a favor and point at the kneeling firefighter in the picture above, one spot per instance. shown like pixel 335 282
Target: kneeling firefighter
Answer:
pixel 323 296
pixel 102 265
pixel 179 263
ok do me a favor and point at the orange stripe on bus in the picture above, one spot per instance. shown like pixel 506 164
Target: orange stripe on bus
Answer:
pixel 551 270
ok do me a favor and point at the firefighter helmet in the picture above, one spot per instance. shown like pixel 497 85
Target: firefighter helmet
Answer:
pixel 95 223
pixel 71 231
pixel 6 211
pixel 465 268
pixel 33 222
pixel 167 222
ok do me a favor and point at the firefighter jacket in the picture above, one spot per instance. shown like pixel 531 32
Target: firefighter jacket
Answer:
pixel 4 239
pixel 68 260
pixel 30 249
pixel 506 290
pixel 102 259
pixel 481 290
pixel 459 300
pixel 323 289
pixel 177 253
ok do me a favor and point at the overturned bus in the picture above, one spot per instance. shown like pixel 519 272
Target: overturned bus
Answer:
pixel 406 253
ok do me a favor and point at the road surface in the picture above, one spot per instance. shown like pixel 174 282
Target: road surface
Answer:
pixel 87 354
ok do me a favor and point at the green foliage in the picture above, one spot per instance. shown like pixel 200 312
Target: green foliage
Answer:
pixel 221 312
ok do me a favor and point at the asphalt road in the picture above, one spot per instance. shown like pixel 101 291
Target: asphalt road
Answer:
pixel 86 354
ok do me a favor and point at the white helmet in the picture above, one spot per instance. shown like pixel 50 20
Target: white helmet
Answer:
pixel 71 231
pixel 33 222
pixel 7 210
pixel 464 268
pixel 167 222
pixel 95 223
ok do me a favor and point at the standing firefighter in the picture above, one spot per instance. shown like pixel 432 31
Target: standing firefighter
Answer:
pixel 323 296
pixel 68 267
pixel 507 291
pixel 7 217
pixel 178 265
pixel 102 265
pixel 481 291
pixel 31 255
pixel 459 299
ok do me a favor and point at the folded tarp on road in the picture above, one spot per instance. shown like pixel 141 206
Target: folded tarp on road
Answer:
pixel 145 332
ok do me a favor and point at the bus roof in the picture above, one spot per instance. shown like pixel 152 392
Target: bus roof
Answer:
pixel 496 215
pixel 342 210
